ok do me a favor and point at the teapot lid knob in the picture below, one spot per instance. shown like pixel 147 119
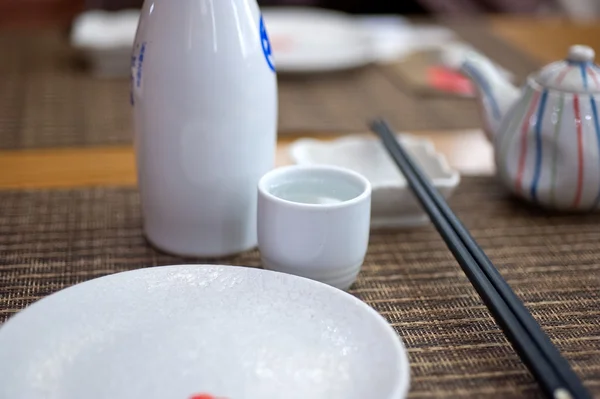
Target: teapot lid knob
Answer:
pixel 580 53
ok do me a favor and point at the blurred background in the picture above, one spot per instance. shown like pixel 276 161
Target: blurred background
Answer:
pixel 66 64
pixel 21 12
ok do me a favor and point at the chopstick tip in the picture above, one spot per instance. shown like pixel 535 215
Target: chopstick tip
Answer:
pixel 375 122
pixel 562 393
pixel 380 127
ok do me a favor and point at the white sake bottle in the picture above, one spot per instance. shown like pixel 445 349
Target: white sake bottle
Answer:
pixel 204 97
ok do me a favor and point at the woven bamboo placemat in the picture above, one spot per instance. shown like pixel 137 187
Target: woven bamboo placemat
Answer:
pixel 48 100
pixel 53 239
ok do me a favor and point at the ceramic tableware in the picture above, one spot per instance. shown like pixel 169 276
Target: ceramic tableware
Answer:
pixel 546 135
pixel 393 204
pixel 204 97
pixel 103 39
pixel 306 39
pixel 192 331
pixel 313 221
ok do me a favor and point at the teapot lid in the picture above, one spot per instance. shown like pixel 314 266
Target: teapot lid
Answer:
pixel 577 73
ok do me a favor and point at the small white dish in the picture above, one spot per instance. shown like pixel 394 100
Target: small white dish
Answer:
pixel 313 222
pixel 393 204
pixel 183 331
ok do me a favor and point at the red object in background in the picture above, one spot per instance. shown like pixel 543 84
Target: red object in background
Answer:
pixel 444 79
pixel 204 396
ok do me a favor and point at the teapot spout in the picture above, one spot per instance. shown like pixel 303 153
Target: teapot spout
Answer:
pixel 496 93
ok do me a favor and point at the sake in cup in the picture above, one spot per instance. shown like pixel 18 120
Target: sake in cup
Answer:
pixel 314 222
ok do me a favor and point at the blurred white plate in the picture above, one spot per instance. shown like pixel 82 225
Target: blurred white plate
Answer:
pixel 306 39
pixel 393 203
pixel 104 39
pixel 183 331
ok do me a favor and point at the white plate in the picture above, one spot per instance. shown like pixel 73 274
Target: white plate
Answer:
pixel 393 203
pixel 104 39
pixel 180 331
pixel 305 39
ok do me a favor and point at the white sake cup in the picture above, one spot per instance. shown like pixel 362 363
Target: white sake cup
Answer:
pixel 314 222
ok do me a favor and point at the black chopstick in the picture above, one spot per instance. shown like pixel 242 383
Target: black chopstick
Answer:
pixel 537 351
pixel 563 368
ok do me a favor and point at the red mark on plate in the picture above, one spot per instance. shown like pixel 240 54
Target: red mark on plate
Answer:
pixel 282 43
pixel 204 396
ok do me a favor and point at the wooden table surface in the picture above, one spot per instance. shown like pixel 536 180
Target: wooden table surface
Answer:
pixel 547 39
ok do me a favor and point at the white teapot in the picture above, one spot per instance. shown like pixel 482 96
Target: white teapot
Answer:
pixel 546 135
